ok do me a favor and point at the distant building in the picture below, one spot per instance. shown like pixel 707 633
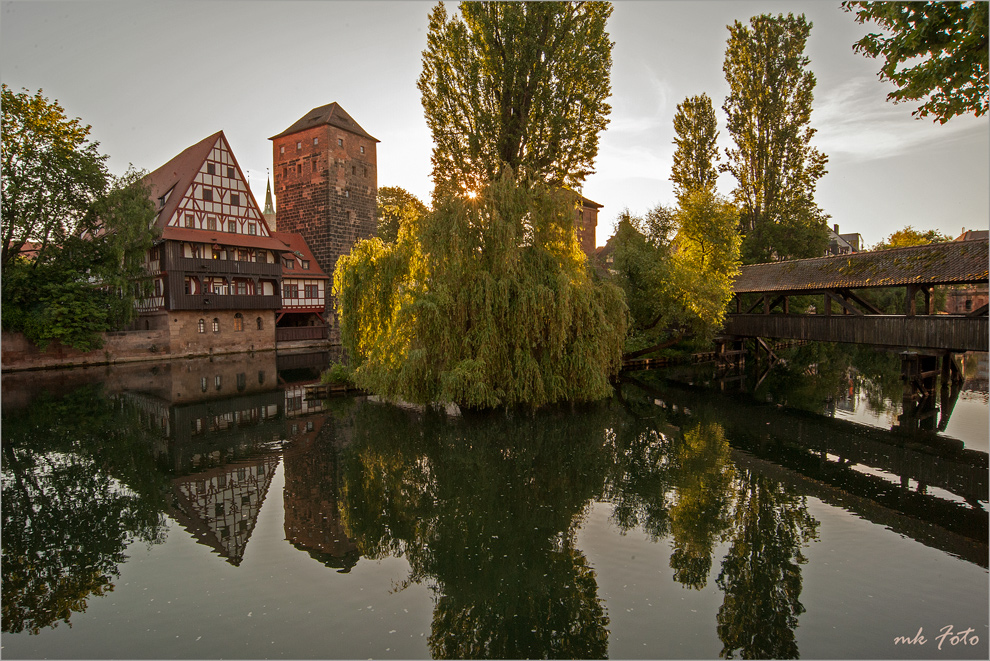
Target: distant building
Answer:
pixel 843 244
pixel 326 184
pixel 968 299
pixel 586 225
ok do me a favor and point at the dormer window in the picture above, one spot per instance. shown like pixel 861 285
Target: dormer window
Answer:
pixel 305 264
pixel 287 263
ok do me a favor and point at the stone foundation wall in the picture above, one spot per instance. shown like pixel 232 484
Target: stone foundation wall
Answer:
pixel 17 353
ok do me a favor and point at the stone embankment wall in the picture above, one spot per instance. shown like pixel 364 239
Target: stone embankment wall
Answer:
pixel 124 347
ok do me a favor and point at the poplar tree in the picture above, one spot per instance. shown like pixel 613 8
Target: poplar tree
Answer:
pixel 769 118
pixel 516 85
pixel 696 155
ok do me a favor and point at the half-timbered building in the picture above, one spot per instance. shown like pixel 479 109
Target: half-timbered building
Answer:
pixel 217 269
pixel 304 291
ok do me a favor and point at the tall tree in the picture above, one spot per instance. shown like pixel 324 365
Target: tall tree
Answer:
pixel 488 302
pixel 696 155
pixel 518 85
pixel 396 207
pixel 934 52
pixel 769 113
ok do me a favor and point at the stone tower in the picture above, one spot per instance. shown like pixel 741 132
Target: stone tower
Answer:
pixel 326 184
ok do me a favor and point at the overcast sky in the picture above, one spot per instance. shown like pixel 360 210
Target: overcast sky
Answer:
pixel 153 78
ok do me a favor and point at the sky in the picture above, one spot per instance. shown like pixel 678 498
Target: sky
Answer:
pixel 154 77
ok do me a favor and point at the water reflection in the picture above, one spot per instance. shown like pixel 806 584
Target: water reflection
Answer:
pixel 79 485
pixel 485 509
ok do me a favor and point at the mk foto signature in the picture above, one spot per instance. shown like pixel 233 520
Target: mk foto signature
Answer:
pixel 946 635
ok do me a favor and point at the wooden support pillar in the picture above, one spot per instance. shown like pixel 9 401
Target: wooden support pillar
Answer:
pixel 910 305
pixel 766 304
pixel 787 305
pixel 929 299
pixel 828 304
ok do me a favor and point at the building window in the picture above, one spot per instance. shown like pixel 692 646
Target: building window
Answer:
pixel 298 146
pixel 217 382
pixel 238 318
pixel 242 290
pixel 366 172
pixel 347 193
pixel 158 287
pixel 216 327
pixel 252 229
pixel 230 173
pixel 353 169
pixel 232 227
pixel 190 220
pixel 362 149
pixel 299 169
pixel 241 385
pixel 202 384
pixel 261 373
pixel 287 263
pixel 202 325
pixel 211 223
pixel 207 194
pixel 316 141
pixel 211 168
pixel 216 252
pixel 305 264
pixel 312 291
pixel 261 326
pixel 235 199
pixel 969 305
pixel 281 150
pixel 340 142
pixel 285 172
pixel 290 291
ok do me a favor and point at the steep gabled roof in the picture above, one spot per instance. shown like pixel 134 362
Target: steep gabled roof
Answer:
pixel 295 243
pixel 330 114
pixel 177 175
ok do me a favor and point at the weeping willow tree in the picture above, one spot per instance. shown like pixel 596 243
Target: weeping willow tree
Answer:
pixel 485 302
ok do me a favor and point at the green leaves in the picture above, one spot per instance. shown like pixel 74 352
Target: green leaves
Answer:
pixel 517 85
pixel 488 304
pixel 933 51
pixel 768 116
pixel 697 153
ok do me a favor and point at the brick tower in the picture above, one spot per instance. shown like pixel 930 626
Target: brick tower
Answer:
pixel 326 184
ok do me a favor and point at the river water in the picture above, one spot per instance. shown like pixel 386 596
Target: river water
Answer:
pixel 208 509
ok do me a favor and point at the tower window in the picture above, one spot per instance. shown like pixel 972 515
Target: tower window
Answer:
pixel 298 146
pixel 285 172
pixel 340 142
pixel 316 141
pixel 362 149
pixel 299 169
pixel 353 169
pixel 281 150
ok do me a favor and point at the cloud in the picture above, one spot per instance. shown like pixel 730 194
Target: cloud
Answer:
pixel 857 123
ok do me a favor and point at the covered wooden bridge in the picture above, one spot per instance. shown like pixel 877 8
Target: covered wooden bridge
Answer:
pixel 842 310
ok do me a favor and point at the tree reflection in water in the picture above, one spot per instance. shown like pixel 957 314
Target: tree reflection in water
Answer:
pixel 486 510
pixel 79 485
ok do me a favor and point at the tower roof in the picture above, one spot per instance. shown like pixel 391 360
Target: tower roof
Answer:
pixel 330 114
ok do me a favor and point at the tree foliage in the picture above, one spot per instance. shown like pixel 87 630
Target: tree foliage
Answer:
pixel 396 207
pixel 486 303
pixel 52 173
pixel 935 52
pixel 769 111
pixel 696 155
pixel 677 268
pixel 517 85
pixel 74 237
pixel 909 236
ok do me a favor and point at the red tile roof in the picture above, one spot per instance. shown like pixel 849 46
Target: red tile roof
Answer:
pixel 178 174
pixel 294 242
pixel 954 262
pixel 223 238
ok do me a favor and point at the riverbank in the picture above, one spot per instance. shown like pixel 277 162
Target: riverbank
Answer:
pixel 17 353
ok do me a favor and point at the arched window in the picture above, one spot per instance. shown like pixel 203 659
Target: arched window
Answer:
pixel 216 325
pixel 261 324
pixel 238 322
pixel 202 325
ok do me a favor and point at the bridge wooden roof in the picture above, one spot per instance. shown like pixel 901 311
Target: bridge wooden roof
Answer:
pixel 955 262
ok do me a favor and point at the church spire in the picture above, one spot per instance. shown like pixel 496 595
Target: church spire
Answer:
pixel 269 212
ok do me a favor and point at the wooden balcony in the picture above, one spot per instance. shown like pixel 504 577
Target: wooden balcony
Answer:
pixel 224 302
pixel 224 267
pixel 292 333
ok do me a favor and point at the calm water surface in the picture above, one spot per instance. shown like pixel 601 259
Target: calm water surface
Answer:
pixel 207 509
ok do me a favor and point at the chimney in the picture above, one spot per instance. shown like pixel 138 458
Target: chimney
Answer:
pixel 836 228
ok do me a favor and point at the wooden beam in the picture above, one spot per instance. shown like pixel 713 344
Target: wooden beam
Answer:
pixel 850 295
pixel 847 309
pixel 979 312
